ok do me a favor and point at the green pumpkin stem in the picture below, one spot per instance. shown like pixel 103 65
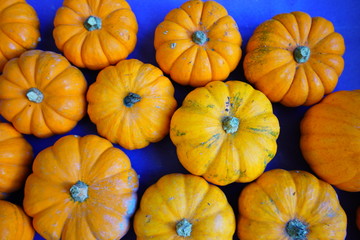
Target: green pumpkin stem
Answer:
pixel 230 124
pixel 184 228
pixel 35 95
pixel 297 230
pixel 301 54
pixel 92 23
pixel 199 37
pixel 79 191
pixel 131 99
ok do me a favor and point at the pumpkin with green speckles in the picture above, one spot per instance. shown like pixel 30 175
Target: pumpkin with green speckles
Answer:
pixel 292 205
pixel 294 59
pixel 225 132
pixel 198 43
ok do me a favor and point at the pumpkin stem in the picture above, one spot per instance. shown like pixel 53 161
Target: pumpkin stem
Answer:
pixel 35 95
pixel 131 99
pixel 183 228
pixel 79 191
pixel 230 124
pixel 301 54
pixel 92 23
pixel 199 37
pixel 297 230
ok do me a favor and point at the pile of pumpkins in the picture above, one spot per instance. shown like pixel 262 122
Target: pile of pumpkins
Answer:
pixel 224 132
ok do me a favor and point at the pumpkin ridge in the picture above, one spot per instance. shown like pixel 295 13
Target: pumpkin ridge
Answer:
pixel 195 23
pixel 308 67
pixel 321 62
pixel 179 23
pixel 54 79
pixel 180 56
pixel 83 47
pixel 164 200
pixel 219 55
pixel 117 39
pixel 21 111
pixel 12 40
pixel 287 30
pixel 206 3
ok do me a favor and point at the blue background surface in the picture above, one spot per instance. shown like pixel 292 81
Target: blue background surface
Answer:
pixel 160 158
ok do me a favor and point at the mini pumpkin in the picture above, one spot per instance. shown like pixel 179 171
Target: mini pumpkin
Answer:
pixel 198 43
pixel 15 159
pixel 14 223
pixel 95 34
pixel 294 59
pixel 225 132
pixel 131 103
pixel 290 205
pixel 42 94
pixel 330 139
pixel 19 25
pixel 183 206
pixel 81 188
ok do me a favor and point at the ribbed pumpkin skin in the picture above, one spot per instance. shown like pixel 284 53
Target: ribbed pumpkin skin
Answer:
pixel 183 196
pixel 15 159
pixel 63 87
pixel 271 67
pixel 197 63
pixel 14 223
pixel 330 139
pixel 205 148
pixel 111 183
pixel 20 29
pixel 136 124
pixel 98 48
pixel 279 196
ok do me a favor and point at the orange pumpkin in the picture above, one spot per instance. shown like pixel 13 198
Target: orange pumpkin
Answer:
pixel 294 59
pixel 81 188
pixel 14 223
pixel 42 94
pixel 225 132
pixel 198 43
pixel 182 206
pixel 19 25
pixel 131 104
pixel 15 160
pixel 330 139
pixel 95 34
pixel 290 205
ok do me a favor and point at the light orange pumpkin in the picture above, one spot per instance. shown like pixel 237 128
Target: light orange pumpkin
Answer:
pixel 330 139
pixel 181 206
pixel 131 104
pixel 95 34
pixel 198 43
pixel 42 94
pixel 225 132
pixel 81 188
pixel 14 223
pixel 19 25
pixel 15 160
pixel 294 59
pixel 290 205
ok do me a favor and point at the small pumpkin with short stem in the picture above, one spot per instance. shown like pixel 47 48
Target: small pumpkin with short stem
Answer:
pixel 184 206
pixel 14 223
pixel 225 132
pixel 294 59
pixel 131 104
pixel 16 157
pixel 284 204
pixel 42 94
pixel 95 34
pixel 81 188
pixel 19 29
pixel 198 43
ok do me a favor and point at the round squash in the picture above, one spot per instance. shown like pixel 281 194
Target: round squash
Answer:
pixel 15 160
pixel 181 206
pixel 294 59
pixel 131 104
pixel 19 25
pixel 330 139
pixel 81 188
pixel 14 223
pixel 95 34
pixel 42 94
pixel 198 43
pixel 225 132
pixel 290 205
